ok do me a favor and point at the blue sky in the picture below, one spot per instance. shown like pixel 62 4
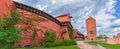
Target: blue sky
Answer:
pixel 106 12
pixel 117 8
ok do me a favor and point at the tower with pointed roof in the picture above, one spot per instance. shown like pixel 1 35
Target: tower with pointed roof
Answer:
pixel 91 29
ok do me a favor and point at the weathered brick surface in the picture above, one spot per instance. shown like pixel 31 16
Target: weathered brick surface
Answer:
pixel 5 7
pixel 77 35
pixel 91 29
pixel 27 21
pixel 32 24
pixel 115 40
pixel 40 25
pixel 64 18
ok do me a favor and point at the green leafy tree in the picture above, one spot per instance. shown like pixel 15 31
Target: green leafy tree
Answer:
pixel 9 33
pixel 102 36
pixel 114 36
pixel 50 37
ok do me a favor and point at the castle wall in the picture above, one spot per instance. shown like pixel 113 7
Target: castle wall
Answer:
pixel 64 18
pixel 41 25
pixel 113 40
pixel 66 34
pixel 33 22
pixel 5 7
pixel 78 36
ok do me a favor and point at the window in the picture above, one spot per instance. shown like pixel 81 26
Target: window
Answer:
pixel 64 31
pixel 62 37
pixel 91 32
pixel 91 38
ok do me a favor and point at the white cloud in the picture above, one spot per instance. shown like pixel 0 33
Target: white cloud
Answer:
pixel 41 7
pixel 111 6
pixel 104 17
pixel 49 11
pixel 53 1
pixel 117 21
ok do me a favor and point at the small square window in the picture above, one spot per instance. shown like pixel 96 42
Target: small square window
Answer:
pixel 91 32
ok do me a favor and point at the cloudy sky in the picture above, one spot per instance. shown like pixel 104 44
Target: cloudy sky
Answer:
pixel 106 12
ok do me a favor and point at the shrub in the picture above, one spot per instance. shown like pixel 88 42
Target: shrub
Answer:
pixel 49 38
pixel 9 34
pixel 62 43
pixel 66 42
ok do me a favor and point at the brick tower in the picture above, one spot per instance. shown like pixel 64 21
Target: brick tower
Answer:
pixel 91 29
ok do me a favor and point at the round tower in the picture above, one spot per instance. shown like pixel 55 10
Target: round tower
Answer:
pixel 91 29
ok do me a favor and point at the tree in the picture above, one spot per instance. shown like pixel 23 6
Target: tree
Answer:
pixel 114 36
pixel 50 37
pixel 102 36
pixel 9 33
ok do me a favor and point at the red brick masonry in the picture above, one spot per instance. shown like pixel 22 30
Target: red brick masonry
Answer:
pixel 36 21
pixel 91 29
pixel 115 40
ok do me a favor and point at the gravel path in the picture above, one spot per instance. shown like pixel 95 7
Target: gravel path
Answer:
pixel 83 45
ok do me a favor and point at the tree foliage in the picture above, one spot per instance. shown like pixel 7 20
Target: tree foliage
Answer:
pixel 9 33
pixel 50 37
pixel 102 36
pixel 70 31
pixel 50 40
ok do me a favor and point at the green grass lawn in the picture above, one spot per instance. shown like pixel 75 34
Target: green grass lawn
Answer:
pixel 107 46
pixel 59 47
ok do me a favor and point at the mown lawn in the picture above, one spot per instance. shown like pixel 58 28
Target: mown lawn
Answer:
pixel 107 46
pixel 59 47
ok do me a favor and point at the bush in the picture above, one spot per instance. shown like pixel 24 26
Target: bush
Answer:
pixel 49 38
pixel 9 34
pixel 66 42
pixel 62 43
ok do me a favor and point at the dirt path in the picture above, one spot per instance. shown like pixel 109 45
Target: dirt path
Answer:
pixel 83 45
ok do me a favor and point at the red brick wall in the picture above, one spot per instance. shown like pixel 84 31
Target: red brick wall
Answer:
pixel 5 7
pixel 118 40
pixel 28 23
pixel 91 29
pixel 65 35
pixel 118 35
pixel 41 26
pixel 77 35
pixel 51 26
pixel 113 40
pixel 64 18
